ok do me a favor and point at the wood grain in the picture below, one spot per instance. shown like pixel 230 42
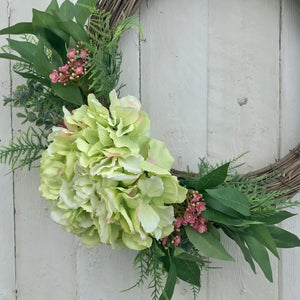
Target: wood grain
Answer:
pixel 290 132
pixel 7 249
pixel 45 263
pixel 215 82
pixel 243 114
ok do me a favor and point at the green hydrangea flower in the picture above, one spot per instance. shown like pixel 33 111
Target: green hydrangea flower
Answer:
pixel 106 180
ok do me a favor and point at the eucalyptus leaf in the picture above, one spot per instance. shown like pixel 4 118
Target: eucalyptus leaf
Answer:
pixel 216 216
pixel 69 93
pixel 207 244
pixel 217 205
pixel 187 271
pixel 186 256
pixel 19 28
pixel 283 238
pixel 263 235
pixel 213 179
pixel 170 283
pixel 237 237
pixel 25 49
pixel 276 218
pixel 231 198
pixel 13 57
pixel 260 255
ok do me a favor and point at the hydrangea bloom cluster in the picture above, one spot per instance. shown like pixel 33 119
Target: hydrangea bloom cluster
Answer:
pixel 192 216
pixel 106 179
pixel 74 68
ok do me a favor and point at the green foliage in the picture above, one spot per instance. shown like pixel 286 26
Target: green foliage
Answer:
pixel 157 262
pixel 25 150
pixel 104 72
pixel 41 107
pixel 246 212
pixel 207 244
pixel 148 263
pixel 106 62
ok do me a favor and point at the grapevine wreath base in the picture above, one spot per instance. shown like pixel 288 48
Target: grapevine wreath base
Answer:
pixel 106 180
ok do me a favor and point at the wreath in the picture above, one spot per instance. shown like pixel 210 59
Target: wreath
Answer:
pixel 106 180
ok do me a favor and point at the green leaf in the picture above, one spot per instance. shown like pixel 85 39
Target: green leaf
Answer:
pixel 67 9
pixel 213 179
pixel 20 28
pixel 276 218
pixel 82 13
pixel 231 198
pixel 215 232
pixel 216 205
pixel 73 29
pixel 186 256
pixel 25 49
pixel 283 238
pixel 69 93
pixel 41 62
pixel 216 216
pixel 260 255
pixel 187 271
pixel 52 6
pixel 207 244
pixel 240 242
pixel 262 234
pixel 170 283
pixel 42 20
pixel 13 57
pixel 57 46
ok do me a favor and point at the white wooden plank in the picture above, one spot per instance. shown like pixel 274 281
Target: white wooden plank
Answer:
pixel 243 114
pixel 129 46
pixel 290 132
pixel 46 257
pixel 173 76
pixel 7 253
pixel 174 83
pixel 243 68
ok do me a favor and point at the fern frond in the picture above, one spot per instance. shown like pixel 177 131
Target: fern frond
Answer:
pixel 195 290
pixel 25 150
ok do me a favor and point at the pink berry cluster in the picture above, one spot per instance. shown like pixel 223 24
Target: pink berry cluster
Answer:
pixel 192 216
pixel 74 68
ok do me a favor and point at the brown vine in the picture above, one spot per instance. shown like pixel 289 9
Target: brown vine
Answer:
pixel 286 169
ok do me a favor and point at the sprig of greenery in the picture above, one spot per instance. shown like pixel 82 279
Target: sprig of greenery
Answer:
pixel 25 150
pixel 105 69
pixel 41 107
pixel 262 202
pixel 149 265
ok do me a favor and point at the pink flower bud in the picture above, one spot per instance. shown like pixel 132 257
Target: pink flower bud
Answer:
pixel 63 77
pixel 54 76
pixel 79 70
pixel 71 54
pixel 64 69
pixel 202 228
pixel 178 222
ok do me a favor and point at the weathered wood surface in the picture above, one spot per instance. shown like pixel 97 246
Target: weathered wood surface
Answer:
pixel 217 78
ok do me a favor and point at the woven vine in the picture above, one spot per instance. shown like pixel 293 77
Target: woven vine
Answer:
pixel 286 170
